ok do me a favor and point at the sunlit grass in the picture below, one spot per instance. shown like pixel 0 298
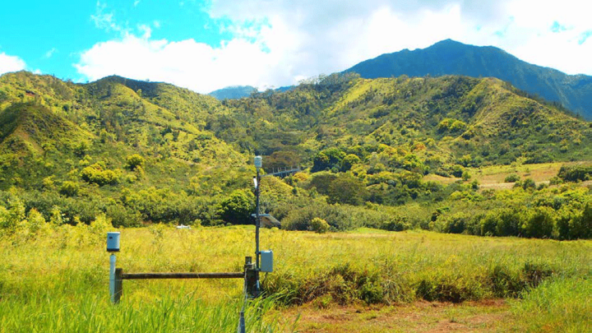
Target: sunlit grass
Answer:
pixel 59 282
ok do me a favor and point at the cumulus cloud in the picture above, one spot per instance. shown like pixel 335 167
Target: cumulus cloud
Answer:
pixel 187 63
pixel 10 63
pixel 282 41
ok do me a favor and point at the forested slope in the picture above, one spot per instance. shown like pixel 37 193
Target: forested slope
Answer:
pixel 152 152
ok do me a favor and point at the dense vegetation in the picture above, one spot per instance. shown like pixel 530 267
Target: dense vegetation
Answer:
pixel 233 92
pixel 142 152
pixel 449 57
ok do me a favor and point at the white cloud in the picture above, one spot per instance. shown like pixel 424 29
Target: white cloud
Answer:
pixel 50 53
pixel 278 42
pixel 10 63
pixel 187 63
pixel 104 20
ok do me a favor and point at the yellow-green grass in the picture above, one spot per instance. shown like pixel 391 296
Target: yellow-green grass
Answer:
pixel 497 173
pixel 494 176
pixel 59 282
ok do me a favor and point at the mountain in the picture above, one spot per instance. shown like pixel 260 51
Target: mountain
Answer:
pixel 449 57
pixel 444 118
pixel 233 92
pixel 144 151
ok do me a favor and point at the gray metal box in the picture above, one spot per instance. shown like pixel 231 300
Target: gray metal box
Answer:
pixel 267 261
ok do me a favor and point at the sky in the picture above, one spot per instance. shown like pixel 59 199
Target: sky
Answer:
pixel 206 45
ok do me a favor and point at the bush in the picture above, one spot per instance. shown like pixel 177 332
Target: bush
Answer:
pixel 512 178
pixel 319 225
pixel 541 223
pixel 349 161
pixel 347 189
pixel 238 207
pixel 528 184
pixel 339 217
pixel 134 161
pixel 575 173
pixel 581 226
pixel 457 223
pixel 97 175
pixel 69 189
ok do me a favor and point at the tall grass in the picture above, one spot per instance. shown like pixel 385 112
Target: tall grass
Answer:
pixel 563 305
pixel 58 281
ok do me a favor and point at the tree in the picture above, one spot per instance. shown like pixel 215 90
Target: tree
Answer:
pixel 541 223
pixel 238 207
pixel 69 189
pixel 134 161
pixel 327 159
pixel 349 161
pixel 347 189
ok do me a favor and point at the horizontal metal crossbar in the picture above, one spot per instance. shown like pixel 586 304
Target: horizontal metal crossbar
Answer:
pixel 145 276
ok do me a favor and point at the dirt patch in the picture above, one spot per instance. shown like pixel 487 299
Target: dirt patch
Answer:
pixel 420 316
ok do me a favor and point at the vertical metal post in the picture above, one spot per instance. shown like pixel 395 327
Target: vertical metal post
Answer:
pixel 112 278
pixel 257 226
pixel 258 220
pixel 241 323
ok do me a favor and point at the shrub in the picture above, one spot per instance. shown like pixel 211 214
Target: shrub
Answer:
pixel 347 189
pixel 512 178
pixel 541 223
pixel 97 175
pixel 349 161
pixel 457 223
pixel 581 226
pixel 528 184
pixel 319 225
pixel 575 173
pixel 69 189
pixel 238 207
pixel 509 223
pixel 134 161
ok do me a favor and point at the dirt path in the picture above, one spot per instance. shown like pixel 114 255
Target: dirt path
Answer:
pixel 485 316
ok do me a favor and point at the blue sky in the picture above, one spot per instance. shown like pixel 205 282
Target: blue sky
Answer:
pixel 50 35
pixel 206 45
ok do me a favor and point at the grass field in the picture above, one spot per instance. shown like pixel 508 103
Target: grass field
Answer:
pixel 367 280
pixel 493 177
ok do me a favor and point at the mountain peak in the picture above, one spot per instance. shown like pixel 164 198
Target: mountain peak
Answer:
pixel 450 57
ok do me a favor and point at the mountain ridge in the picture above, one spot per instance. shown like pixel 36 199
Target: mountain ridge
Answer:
pixel 152 152
pixel 449 57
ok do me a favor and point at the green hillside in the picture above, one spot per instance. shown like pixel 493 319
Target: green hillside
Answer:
pixel 142 152
pixel 233 92
pixel 449 57
pixel 444 118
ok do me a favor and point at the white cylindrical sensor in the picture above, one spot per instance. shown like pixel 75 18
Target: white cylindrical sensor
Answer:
pixel 258 162
pixel 113 241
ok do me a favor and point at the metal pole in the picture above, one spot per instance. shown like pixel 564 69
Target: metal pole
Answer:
pixel 112 278
pixel 241 323
pixel 258 221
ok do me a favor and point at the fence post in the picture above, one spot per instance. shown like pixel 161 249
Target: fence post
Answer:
pixel 118 285
pixel 251 277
